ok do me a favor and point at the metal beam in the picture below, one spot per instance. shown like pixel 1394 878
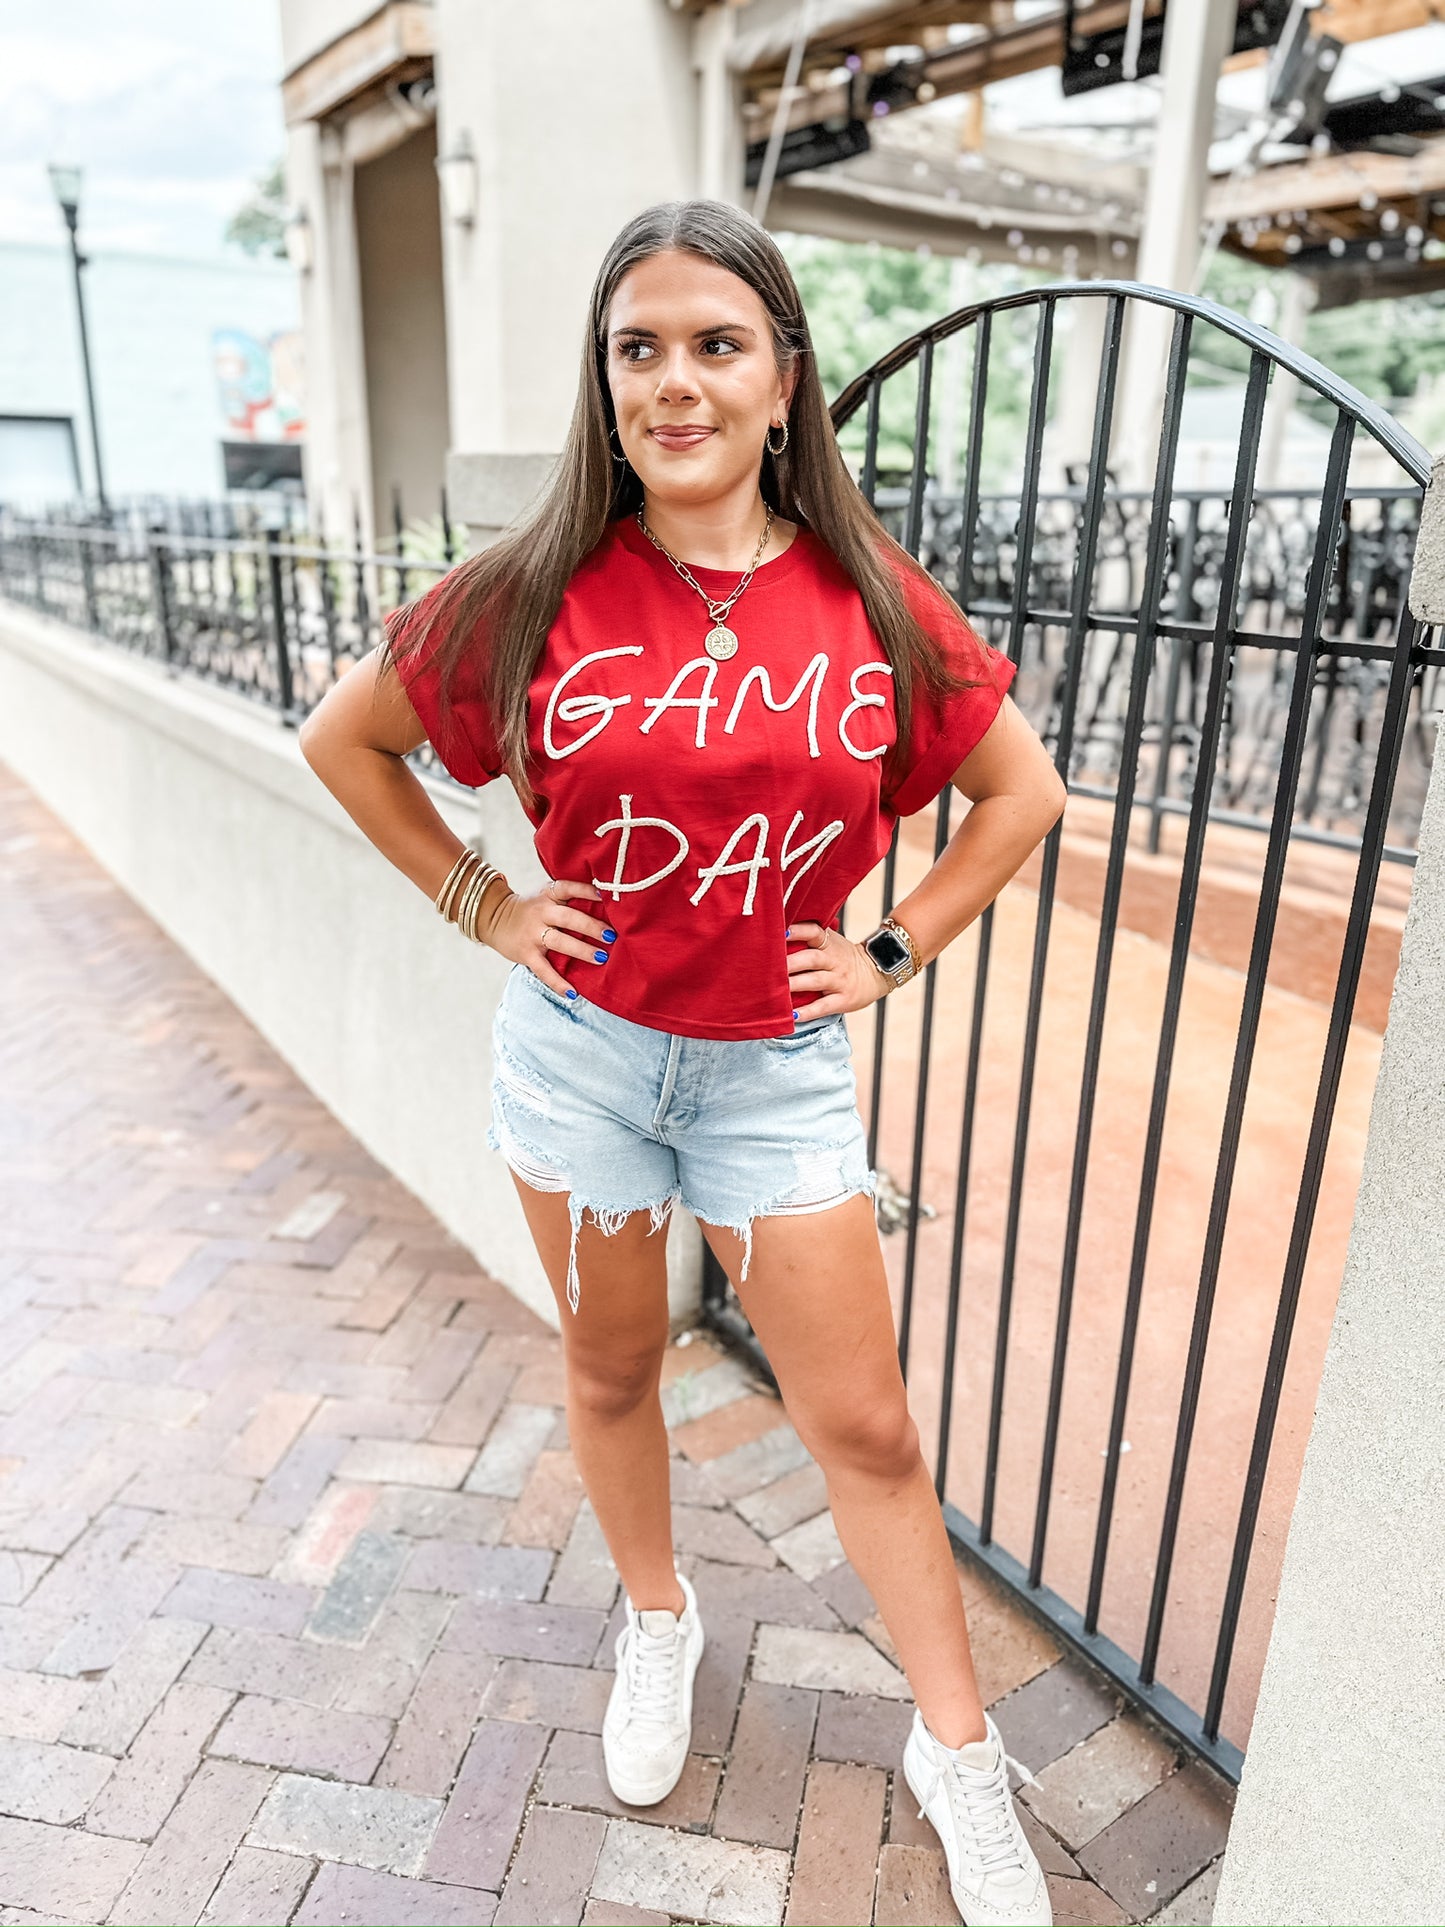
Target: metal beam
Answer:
pixel 976 63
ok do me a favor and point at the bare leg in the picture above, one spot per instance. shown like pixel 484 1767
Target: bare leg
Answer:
pixel 612 1346
pixel 817 1297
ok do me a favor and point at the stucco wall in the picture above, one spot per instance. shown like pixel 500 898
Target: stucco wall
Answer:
pixel 202 807
pixel 1339 1811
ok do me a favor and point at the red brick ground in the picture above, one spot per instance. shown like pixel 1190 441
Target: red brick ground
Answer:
pixel 303 1615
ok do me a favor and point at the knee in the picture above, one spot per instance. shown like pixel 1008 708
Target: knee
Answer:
pixel 877 1439
pixel 610 1385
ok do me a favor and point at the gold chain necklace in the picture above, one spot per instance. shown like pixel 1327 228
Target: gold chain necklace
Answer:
pixel 719 642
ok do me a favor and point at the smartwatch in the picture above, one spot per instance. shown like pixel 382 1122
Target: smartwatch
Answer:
pixel 894 951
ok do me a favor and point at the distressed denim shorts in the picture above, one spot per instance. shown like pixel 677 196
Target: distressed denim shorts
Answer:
pixel 624 1118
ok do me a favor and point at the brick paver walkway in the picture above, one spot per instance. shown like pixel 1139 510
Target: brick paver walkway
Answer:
pixel 302 1613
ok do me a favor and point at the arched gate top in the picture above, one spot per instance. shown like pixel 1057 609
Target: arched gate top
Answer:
pixel 1397 441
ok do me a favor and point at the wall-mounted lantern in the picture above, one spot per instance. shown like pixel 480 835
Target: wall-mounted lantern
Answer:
pixel 457 173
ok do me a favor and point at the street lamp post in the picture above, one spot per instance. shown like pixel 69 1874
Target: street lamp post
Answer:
pixel 66 183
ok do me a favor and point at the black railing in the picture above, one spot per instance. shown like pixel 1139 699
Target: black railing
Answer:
pixel 261 614
pixel 1224 659
pixel 1367 592
pixel 239 595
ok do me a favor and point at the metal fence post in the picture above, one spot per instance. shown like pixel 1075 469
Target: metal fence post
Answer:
pixel 87 580
pixel 277 598
pixel 161 594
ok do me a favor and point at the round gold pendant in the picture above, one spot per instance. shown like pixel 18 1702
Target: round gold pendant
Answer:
pixel 720 643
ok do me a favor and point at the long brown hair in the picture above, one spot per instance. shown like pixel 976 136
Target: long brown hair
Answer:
pixel 515 586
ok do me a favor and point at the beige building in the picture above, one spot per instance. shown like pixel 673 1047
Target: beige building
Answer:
pixel 455 171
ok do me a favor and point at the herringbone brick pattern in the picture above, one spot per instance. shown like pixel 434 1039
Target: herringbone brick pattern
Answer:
pixel 303 1615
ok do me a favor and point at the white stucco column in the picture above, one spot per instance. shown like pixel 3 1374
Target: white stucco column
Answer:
pixel 570 143
pixel 336 453
pixel 1339 1810
pixel 1296 302
pixel 1197 35
pixel 719 116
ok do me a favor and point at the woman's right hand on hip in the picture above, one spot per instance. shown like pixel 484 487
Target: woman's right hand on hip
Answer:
pixel 525 929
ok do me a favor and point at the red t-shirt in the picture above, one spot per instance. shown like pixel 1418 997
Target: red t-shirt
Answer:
pixel 715 803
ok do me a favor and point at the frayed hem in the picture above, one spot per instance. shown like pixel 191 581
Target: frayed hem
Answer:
pixel 865 1187
pixel 609 1220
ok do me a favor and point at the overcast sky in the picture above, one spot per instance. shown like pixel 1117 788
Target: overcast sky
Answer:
pixel 172 107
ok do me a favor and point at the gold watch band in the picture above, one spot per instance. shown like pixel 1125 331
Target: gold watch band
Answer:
pixel 905 937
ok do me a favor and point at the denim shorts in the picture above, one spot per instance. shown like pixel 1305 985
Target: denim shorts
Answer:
pixel 624 1118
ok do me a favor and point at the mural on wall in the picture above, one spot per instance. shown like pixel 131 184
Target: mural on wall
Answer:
pixel 262 385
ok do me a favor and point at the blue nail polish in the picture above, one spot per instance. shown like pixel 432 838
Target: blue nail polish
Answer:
pixel 600 956
pixel 609 936
pixel 795 1017
pixel 571 993
pixel 788 933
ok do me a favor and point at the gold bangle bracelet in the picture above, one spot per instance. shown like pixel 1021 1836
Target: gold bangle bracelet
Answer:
pixel 439 900
pixel 452 874
pixel 471 928
pixel 477 881
pixel 447 895
pixel 459 896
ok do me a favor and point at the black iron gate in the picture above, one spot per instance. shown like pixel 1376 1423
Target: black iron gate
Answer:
pixel 1204 687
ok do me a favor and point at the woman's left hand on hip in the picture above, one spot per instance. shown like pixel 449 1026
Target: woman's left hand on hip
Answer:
pixel 831 974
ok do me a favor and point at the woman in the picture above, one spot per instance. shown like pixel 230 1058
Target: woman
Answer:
pixel 714 682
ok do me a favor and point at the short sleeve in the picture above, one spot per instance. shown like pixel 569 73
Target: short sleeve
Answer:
pixel 465 739
pixel 943 729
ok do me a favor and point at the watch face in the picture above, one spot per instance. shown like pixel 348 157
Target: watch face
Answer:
pixel 888 951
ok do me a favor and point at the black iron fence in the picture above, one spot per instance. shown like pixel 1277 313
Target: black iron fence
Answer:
pixel 241 596
pixel 975 551
pixel 1229 660
pixel 258 612
pixel 1206 660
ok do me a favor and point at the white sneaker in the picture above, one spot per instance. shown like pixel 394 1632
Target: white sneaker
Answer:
pixel 964 1793
pixel 648 1725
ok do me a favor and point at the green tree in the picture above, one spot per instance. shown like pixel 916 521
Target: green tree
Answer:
pixel 1383 348
pixel 863 298
pixel 259 225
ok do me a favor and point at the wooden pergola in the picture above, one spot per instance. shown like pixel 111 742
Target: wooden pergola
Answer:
pixel 1364 219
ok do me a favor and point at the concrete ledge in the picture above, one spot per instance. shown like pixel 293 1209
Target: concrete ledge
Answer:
pixel 203 809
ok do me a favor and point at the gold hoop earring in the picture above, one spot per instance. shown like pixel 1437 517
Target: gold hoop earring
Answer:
pixel 768 438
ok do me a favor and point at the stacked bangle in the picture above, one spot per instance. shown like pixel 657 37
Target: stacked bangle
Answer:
pixel 459 900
